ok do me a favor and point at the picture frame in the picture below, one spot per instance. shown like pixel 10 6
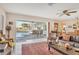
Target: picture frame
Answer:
pixel 74 26
pixel 69 26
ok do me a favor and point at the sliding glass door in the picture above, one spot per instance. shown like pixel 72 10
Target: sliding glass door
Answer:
pixel 26 30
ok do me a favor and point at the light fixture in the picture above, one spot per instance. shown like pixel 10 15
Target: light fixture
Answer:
pixel 51 4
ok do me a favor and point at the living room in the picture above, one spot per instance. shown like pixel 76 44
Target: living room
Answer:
pixel 39 19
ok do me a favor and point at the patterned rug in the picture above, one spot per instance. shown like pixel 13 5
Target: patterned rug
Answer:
pixel 38 49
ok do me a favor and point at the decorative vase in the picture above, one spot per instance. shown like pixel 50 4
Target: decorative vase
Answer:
pixel 67 45
pixel 8 28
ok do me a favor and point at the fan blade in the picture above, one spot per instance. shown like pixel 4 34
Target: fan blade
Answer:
pixel 68 14
pixel 65 11
pixel 72 12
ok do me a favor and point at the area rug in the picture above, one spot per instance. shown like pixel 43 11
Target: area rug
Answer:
pixel 40 48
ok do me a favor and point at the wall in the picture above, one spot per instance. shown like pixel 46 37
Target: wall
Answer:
pixel 3 13
pixel 66 22
pixel 13 17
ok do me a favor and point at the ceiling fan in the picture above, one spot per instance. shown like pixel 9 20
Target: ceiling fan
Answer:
pixel 66 12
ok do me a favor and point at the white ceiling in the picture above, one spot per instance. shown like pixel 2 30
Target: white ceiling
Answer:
pixel 41 9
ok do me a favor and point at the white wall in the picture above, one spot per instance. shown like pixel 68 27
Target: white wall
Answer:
pixel 2 12
pixel 1 24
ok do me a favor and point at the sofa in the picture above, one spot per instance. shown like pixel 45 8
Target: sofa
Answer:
pixel 74 38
